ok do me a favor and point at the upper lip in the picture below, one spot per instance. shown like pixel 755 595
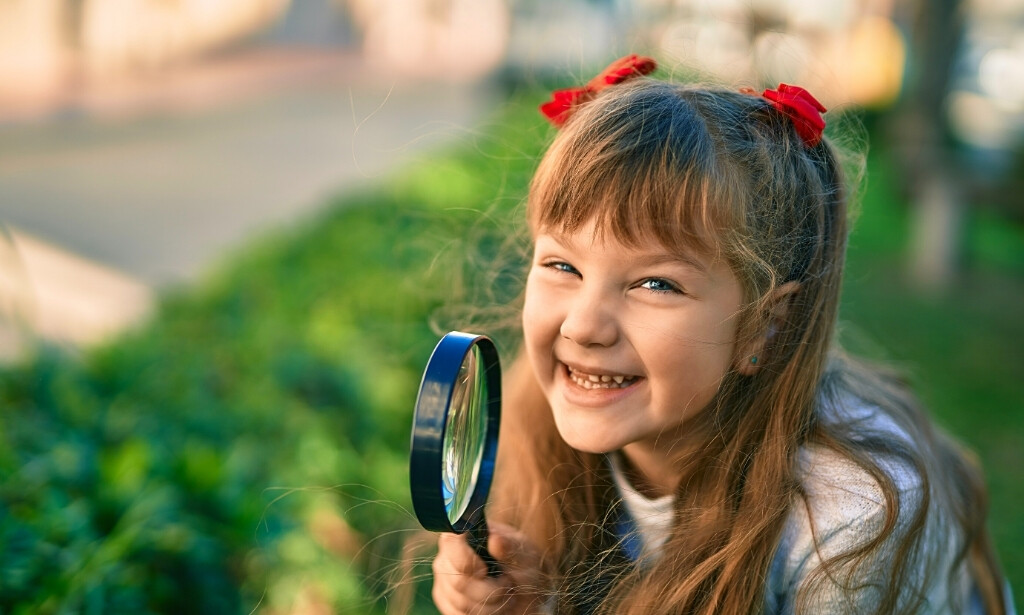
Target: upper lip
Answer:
pixel 597 371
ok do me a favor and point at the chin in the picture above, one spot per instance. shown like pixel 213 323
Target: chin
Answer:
pixel 587 438
pixel 591 447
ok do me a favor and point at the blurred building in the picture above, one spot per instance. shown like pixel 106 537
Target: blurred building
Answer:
pixel 850 51
pixel 50 50
pixel 986 105
pixel 48 47
pixel 854 50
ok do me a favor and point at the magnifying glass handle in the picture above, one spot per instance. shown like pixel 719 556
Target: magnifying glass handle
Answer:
pixel 477 537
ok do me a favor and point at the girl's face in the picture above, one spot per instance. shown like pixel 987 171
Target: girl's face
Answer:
pixel 627 344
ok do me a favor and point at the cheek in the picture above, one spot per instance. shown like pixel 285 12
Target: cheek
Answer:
pixel 529 311
pixel 694 365
pixel 540 327
pixel 537 315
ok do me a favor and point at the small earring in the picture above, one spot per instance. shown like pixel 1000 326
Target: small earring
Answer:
pixel 753 360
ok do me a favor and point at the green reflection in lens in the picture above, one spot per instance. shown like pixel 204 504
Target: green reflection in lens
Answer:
pixel 464 435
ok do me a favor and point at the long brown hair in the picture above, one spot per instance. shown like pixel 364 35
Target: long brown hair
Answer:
pixel 722 172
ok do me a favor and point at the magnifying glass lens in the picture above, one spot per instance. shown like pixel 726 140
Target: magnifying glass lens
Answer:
pixel 455 439
pixel 464 436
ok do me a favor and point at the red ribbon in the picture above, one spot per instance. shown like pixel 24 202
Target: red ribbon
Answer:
pixel 802 109
pixel 564 102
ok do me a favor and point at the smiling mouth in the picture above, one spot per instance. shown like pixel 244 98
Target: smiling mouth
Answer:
pixel 600 381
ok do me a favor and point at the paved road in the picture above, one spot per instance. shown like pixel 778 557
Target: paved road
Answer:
pixel 158 196
pixel 154 184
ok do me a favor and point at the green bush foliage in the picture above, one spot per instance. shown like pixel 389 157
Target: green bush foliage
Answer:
pixel 247 449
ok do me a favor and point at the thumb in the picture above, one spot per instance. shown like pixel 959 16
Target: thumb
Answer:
pixel 513 548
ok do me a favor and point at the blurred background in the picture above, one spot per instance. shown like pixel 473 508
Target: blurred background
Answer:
pixel 229 225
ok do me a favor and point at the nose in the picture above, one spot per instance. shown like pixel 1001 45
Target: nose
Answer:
pixel 590 321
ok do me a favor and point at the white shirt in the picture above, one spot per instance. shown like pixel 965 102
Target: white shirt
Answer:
pixel 845 507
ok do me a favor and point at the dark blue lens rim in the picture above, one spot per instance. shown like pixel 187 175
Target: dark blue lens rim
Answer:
pixel 429 422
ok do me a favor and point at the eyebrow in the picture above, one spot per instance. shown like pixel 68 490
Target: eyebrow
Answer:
pixel 666 258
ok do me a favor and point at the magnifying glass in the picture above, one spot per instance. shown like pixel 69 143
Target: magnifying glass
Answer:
pixel 455 439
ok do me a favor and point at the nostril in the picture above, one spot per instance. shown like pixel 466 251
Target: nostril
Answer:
pixel 589 327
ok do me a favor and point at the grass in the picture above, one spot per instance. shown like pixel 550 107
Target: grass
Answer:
pixel 247 449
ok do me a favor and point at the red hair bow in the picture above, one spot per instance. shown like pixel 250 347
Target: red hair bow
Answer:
pixel 802 108
pixel 564 102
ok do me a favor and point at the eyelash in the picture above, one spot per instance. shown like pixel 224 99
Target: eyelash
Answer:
pixel 670 288
pixel 562 267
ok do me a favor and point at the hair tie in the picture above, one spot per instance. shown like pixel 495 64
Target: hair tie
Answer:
pixel 802 109
pixel 564 102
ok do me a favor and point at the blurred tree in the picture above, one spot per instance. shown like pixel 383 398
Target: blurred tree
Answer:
pixel 920 135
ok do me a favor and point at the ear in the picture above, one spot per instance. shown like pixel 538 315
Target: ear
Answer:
pixel 751 356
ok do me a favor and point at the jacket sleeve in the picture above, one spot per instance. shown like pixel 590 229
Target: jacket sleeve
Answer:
pixel 843 508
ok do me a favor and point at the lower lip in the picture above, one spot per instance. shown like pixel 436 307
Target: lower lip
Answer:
pixel 596 397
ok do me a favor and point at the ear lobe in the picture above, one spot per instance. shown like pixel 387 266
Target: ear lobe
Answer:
pixel 751 358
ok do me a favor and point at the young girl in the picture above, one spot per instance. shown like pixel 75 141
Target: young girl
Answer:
pixel 681 434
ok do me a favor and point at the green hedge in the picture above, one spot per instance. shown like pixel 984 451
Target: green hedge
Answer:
pixel 249 446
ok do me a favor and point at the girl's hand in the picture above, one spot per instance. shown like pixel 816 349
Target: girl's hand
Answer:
pixel 461 584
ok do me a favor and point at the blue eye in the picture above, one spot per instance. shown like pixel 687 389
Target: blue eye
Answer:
pixel 659 285
pixel 563 267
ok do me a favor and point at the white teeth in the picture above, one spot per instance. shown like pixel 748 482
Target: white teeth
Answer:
pixel 604 381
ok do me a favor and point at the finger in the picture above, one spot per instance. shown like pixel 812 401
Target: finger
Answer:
pixel 461 583
pixel 450 603
pixel 512 547
pixel 476 588
pixel 457 557
pixel 463 594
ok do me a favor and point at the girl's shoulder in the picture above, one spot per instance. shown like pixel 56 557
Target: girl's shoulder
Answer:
pixel 842 505
pixel 843 508
pixel 840 491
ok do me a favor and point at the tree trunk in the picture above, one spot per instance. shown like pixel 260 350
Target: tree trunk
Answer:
pixel 935 187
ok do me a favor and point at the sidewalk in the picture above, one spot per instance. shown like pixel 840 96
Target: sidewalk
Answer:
pixel 152 183
pixel 48 292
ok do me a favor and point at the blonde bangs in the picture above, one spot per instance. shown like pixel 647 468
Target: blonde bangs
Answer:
pixel 639 188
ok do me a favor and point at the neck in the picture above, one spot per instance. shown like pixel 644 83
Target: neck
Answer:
pixel 654 471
